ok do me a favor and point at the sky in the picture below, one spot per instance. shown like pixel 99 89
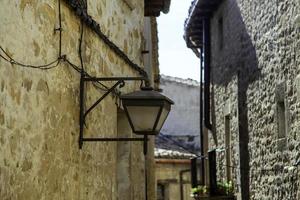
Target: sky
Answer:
pixel 175 58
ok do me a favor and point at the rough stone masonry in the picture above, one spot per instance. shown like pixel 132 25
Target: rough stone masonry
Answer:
pixel 39 109
pixel 255 84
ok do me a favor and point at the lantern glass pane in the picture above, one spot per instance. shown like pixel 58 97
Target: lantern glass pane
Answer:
pixel 142 117
pixel 162 118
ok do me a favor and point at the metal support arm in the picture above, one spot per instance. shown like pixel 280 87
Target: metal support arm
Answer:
pixel 120 82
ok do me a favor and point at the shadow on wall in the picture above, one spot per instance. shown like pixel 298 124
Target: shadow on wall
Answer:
pixel 234 59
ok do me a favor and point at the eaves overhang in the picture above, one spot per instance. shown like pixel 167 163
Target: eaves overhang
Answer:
pixel 154 7
pixel 160 153
pixel 193 26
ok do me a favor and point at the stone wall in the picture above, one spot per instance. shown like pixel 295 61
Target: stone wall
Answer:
pixel 257 66
pixel 186 95
pixel 167 174
pixel 39 109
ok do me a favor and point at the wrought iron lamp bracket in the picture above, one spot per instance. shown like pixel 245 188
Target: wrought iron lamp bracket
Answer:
pixel 120 81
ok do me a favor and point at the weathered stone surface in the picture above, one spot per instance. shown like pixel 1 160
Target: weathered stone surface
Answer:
pixel 185 106
pixel 168 175
pixel 39 110
pixel 261 48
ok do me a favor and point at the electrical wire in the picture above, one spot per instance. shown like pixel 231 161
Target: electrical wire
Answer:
pixel 47 66
pixel 80 44
pixel 60 27
pixel 73 66
pixel 96 84
pixel 92 24
pixel 178 144
pixel 4 58
pixel 252 170
pixel 279 173
pixel 11 60
pixel 56 62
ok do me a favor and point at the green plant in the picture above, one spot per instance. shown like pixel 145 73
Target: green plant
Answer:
pixel 225 187
pixel 201 189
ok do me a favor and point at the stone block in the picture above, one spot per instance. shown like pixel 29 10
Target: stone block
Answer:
pixel 297 86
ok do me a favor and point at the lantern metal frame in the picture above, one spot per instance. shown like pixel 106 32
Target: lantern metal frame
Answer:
pixel 141 100
pixel 120 81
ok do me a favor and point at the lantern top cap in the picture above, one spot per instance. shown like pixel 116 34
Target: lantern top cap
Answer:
pixel 146 93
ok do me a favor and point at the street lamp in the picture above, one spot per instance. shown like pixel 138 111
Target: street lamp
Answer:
pixel 146 110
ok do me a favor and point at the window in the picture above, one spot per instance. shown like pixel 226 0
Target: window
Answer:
pixel 281 119
pixel 281 116
pixel 220 33
pixel 160 191
pixel 228 147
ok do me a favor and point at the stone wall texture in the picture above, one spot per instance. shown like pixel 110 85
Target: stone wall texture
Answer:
pixel 258 65
pixel 168 174
pixel 39 109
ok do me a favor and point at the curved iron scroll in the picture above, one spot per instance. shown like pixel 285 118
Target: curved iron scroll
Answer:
pixel 120 81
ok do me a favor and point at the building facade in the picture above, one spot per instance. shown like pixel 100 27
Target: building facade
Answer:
pixel 179 139
pixel 182 124
pixel 173 179
pixel 251 58
pixel 44 47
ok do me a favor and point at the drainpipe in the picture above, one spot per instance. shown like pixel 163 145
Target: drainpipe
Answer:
pixel 194 176
pixel 181 172
pixel 206 48
pixel 202 172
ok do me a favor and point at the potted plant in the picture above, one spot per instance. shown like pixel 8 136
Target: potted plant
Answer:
pixel 201 190
pixel 223 189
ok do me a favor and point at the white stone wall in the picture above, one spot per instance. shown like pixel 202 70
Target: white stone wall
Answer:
pixel 261 50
